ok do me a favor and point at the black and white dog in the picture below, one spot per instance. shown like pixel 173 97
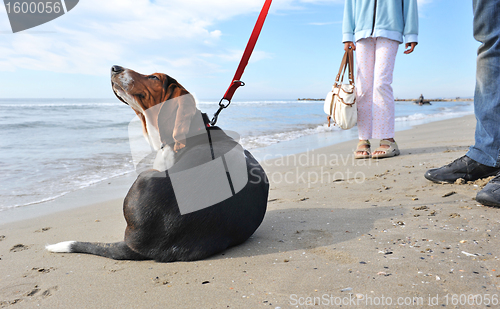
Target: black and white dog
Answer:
pixel 204 193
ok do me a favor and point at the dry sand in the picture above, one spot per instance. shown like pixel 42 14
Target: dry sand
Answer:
pixel 362 232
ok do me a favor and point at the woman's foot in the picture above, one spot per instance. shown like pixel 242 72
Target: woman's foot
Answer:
pixel 363 150
pixel 388 148
pixel 379 150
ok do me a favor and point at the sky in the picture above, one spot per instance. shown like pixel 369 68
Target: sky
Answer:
pixel 200 42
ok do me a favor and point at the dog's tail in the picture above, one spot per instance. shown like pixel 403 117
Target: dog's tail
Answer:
pixel 116 251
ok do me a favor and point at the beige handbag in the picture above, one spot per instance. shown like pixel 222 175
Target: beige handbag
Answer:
pixel 340 103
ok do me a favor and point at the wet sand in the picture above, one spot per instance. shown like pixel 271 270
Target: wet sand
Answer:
pixel 338 231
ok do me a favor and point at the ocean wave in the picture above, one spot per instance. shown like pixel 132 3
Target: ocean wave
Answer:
pixel 43 200
pixel 262 102
pixel 76 185
pixel 117 103
pixel 251 142
pixel 52 105
pixel 434 117
pixel 97 178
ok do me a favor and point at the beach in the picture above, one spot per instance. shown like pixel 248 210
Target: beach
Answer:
pixel 337 232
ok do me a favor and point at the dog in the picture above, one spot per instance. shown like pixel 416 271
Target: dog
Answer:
pixel 170 213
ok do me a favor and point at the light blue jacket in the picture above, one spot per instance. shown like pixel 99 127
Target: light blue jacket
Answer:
pixel 390 19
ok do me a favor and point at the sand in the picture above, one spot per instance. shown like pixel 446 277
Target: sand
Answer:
pixel 338 231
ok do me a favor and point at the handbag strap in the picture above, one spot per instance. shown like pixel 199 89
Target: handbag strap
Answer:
pixel 347 64
pixel 331 110
pixel 342 67
pixel 351 66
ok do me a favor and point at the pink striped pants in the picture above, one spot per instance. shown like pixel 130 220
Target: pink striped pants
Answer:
pixel 375 59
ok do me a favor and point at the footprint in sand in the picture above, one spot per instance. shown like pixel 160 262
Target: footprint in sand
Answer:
pixel 33 292
pixel 36 271
pixel 43 229
pixel 19 247
pixel 5 303
pixel 17 293
pixel 49 291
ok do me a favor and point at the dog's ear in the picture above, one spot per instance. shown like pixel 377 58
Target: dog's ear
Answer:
pixel 172 89
pixel 186 109
pixel 176 114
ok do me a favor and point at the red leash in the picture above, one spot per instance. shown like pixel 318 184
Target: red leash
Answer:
pixel 244 61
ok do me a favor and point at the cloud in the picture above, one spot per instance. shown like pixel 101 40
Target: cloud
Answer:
pixel 98 32
pixel 141 34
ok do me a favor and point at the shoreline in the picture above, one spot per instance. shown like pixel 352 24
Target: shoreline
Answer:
pixel 102 192
pixel 367 230
pixel 117 187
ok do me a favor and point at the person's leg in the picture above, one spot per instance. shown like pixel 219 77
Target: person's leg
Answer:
pixel 486 149
pixel 483 159
pixel 383 98
pixel 365 61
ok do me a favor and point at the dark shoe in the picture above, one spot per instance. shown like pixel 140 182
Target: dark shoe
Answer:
pixel 463 167
pixel 490 195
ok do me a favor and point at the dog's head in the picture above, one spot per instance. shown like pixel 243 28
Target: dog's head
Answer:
pixel 163 105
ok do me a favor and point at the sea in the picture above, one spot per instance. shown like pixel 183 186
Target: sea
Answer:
pixel 50 148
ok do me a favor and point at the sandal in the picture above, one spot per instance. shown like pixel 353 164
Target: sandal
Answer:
pixel 392 151
pixel 359 153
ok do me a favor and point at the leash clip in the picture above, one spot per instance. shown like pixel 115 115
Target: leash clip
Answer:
pixel 237 83
pixel 221 107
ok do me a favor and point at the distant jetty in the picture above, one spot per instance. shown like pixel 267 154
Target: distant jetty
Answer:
pixel 404 100
pixel 437 100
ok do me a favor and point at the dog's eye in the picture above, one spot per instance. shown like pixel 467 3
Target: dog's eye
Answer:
pixel 153 77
